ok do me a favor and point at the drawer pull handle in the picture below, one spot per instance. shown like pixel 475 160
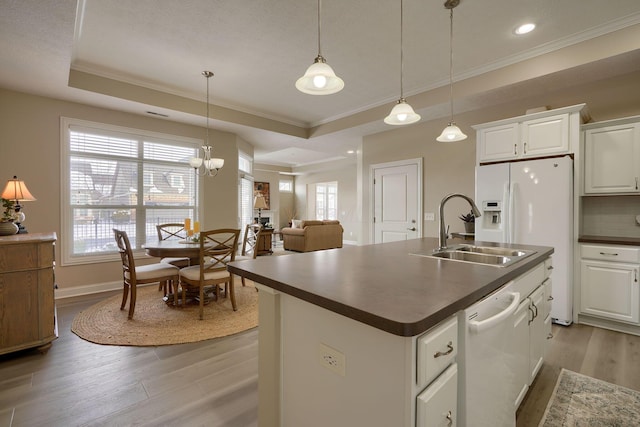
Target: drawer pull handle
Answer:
pixel 525 148
pixel 608 253
pixel 440 353
pixel 550 267
pixel 550 298
pixel 449 418
pixel 550 336
pixel 515 149
pixel 411 229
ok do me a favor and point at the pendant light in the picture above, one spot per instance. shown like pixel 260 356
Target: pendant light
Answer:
pixel 320 79
pixel 452 132
pixel 206 165
pixel 401 113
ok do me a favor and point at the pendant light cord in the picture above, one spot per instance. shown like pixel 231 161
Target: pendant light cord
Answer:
pixel 401 49
pixel 207 74
pixel 319 27
pixel 451 63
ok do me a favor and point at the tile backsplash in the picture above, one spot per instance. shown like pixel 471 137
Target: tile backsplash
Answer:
pixel 613 216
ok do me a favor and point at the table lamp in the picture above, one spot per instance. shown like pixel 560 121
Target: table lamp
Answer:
pixel 17 191
pixel 259 203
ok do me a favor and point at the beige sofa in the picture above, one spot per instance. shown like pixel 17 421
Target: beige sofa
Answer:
pixel 313 235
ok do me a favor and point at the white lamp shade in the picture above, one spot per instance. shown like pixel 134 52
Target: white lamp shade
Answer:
pixel 319 79
pixel 17 190
pixel 401 114
pixel 214 163
pixel 259 202
pixel 195 162
pixel 451 133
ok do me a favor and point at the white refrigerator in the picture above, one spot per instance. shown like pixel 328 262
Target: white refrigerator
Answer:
pixel 531 202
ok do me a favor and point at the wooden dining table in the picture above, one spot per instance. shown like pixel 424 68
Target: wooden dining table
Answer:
pixel 173 249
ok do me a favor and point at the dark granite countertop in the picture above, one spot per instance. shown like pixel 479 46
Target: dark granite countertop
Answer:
pixel 610 240
pixel 382 285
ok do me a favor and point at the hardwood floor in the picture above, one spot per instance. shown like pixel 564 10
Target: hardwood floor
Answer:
pixel 78 383
pixel 598 353
pixel 214 383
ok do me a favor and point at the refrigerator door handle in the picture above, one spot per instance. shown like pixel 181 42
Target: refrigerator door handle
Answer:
pixel 505 216
pixel 511 213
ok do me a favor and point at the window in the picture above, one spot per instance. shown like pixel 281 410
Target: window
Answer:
pixel 121 178
pixel 286 185
pixel 245 191
pixel 327 200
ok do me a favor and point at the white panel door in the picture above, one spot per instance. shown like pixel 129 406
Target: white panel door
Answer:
pixel 395 201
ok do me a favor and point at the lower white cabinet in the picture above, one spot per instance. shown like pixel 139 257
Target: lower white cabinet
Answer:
pixel 437 404
pixel 609 282
pixel 531 328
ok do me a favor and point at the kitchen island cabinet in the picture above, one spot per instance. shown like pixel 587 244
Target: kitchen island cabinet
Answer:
pixel 341 332
pixel 27 306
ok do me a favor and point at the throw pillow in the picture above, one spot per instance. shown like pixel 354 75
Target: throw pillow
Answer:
pixel 295 223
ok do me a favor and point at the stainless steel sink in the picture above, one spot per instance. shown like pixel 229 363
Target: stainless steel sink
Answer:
pixel 487 255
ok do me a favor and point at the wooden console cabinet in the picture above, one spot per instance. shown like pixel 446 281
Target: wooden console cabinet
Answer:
pixel 27 300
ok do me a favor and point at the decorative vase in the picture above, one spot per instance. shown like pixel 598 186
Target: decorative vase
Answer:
pixel 8 228
pixel 470 227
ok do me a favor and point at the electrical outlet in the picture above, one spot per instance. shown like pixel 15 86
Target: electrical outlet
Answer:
pixel 332 359
pixel 429 216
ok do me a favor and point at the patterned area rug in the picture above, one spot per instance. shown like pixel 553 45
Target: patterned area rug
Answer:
pixel 579 400
pixel 158 323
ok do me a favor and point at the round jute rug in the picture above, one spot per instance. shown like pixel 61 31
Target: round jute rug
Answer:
pixel 157 323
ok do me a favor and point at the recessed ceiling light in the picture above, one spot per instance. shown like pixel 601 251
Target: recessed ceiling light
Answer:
pixel 524 29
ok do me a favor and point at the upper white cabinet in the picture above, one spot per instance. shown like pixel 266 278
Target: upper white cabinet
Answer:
pixel 612 158
pixel 535 135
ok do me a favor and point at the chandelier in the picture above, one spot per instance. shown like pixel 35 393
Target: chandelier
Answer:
pixel 206 165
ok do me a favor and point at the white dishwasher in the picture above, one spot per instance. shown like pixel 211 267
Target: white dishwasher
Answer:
pixel 484 383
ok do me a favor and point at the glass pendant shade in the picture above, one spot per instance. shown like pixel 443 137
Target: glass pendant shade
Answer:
pixel 451 133
pixel 320 79
pixel 402 114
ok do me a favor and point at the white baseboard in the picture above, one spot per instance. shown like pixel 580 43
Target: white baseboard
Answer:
pixel 350 242
pixel 95 288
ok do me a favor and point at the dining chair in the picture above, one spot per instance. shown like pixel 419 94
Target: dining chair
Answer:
pixel 172 231
pixel 217 248
pixel 250 244
pixel 133 276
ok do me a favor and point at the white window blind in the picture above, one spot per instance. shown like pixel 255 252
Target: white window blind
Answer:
pixel 246 202
pixel 121 178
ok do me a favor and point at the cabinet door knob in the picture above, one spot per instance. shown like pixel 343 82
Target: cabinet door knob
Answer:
pixel 440 353
pixel 411 229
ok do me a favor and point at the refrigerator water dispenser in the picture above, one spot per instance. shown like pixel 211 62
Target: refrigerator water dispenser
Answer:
pixel 492 214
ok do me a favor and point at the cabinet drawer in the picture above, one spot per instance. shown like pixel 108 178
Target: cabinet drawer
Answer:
pixel 437 405
pixel 529 281
pixel 437 349
pixel 610 253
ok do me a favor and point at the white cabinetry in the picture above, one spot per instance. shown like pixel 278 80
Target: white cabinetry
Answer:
pixel 612 158
pixel 436 350
pixel 609 282
pixel 531 328
pixel 536 135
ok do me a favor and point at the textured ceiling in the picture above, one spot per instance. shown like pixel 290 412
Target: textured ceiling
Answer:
pixel 257 49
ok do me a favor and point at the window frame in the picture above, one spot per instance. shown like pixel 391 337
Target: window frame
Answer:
pixel 66 207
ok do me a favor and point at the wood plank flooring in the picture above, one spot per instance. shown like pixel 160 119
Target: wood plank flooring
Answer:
pixel 214 383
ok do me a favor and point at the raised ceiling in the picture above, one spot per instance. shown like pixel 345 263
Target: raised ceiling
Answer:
pixel 148 55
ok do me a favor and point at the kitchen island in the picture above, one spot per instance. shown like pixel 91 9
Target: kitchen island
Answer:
pixel 339 328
